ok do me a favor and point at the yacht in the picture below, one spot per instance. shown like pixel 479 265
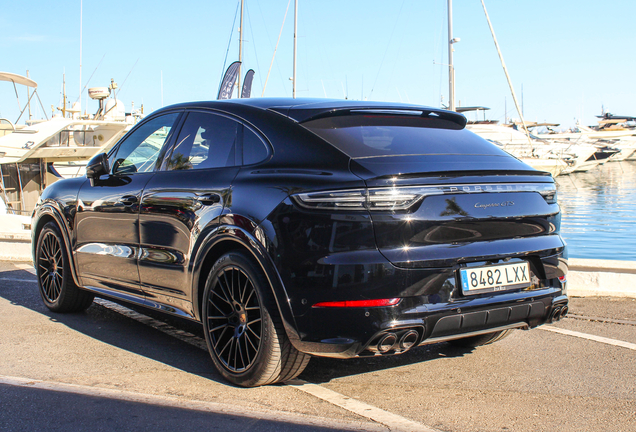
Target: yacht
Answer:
pixel 616 141
pixel 38 153
pixel 533 152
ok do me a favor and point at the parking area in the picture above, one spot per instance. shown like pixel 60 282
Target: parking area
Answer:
pixel 112 368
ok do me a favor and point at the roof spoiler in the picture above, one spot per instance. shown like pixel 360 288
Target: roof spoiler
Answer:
pixel 304 115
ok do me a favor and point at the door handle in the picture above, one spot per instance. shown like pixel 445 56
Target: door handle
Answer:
pixel 128 200
pixel 209 199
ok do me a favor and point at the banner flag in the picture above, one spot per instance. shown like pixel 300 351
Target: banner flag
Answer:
pixel 227 85
pixel 247 84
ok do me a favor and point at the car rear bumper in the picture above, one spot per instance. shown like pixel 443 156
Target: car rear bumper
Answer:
pixel 352 332
pixel 324 257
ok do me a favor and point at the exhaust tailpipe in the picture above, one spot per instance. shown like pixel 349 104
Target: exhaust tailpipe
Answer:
pixel 408 339
pixel 556 314
pixel 564 311
pixel 386 343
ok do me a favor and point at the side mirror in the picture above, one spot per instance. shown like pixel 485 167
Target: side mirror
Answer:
pixel 97 166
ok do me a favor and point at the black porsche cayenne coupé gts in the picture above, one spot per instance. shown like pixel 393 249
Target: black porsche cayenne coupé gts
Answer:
pixel 290 228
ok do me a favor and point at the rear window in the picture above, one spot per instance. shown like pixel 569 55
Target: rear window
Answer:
pixel 368 135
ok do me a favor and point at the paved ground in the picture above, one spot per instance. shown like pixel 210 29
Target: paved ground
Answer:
pixel 105 370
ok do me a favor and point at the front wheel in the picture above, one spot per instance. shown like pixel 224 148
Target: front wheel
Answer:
pixel 243 329
pixel 55 281
pixel 485 339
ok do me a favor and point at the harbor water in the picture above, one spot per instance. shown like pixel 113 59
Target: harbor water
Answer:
pixel 599 212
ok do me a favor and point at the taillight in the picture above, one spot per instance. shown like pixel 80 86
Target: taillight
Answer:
pixel 360 199
pixel 549 194
pixel 348 199
pixel 401 198
pixel 359 303
pixel 392 199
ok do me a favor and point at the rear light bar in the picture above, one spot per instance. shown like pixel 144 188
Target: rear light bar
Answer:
pixel 359 303
pixel 402 198
pixel 359 199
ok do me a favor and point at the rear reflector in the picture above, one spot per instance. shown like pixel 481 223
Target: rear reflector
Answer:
pixel 359 303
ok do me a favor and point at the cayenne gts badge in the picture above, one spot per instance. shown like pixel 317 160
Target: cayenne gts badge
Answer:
pixel 495 204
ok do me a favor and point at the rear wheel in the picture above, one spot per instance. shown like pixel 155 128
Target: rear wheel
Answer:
pixel 57 288
pixel 485 339
pixel 243 329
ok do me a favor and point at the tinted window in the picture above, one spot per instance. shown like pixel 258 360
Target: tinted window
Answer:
pixel 205 141
pixel 254 149
pixel 140 150
pixel 390 135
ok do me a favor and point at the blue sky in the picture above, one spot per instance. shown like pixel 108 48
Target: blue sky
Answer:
pixel 570 57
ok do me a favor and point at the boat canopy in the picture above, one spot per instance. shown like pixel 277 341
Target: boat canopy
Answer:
pixel 471 108
pixel 61 139
pixel 17 79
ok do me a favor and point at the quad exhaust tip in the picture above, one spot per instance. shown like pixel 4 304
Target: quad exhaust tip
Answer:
pixel 558 313
pixel 386 343
pixel 398 341
pixel 408 339
pixel 564 311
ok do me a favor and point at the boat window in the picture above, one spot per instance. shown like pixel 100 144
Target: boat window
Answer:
pixel 205 141
pixel 140 150
pixel 373 135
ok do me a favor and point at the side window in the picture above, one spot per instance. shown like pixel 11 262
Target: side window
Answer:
pixel 140 150
pixel 205 141
pixel 254 149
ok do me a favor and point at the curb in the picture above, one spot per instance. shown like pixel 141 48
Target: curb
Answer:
pixel 598 278
pixel 15 247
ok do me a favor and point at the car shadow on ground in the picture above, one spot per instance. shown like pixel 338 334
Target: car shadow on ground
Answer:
pixel 112 328
pixel 322 369
pixel 27 408
pixel 115 329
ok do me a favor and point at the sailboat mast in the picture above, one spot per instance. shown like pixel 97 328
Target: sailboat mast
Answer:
pixel 295 47
pixel 64 95
pixel 240 59
pixel 451 70
pixel 80 59
pixel 505 69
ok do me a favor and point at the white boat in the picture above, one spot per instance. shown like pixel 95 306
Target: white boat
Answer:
pixel 35 155
pixel 27 155
pixel 608 134
pixel 32 155
pixel 536 153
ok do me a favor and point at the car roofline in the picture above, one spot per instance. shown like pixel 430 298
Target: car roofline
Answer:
pixel 306 109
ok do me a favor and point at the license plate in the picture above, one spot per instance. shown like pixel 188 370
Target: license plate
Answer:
pixel 501 277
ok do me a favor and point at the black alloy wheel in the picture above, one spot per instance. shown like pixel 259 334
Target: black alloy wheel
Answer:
pixel 57 288
pixel 50 267
pixel 242 325
pixel 235 319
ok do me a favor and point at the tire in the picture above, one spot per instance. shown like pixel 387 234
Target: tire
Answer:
pixel 485 339
pixel 55 281
pixel 243 328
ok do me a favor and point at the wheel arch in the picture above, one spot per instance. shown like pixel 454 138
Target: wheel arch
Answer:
pixel 43 215
pixel 229 238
